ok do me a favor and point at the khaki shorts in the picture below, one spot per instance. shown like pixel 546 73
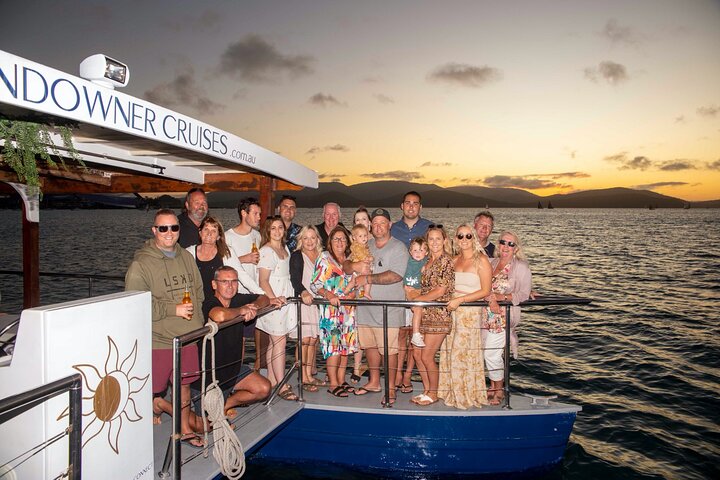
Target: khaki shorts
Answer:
pixel 372 337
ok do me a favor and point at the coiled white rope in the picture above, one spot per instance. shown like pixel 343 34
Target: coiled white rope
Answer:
pixel 227 449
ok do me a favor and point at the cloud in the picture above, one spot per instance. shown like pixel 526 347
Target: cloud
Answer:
pixel 209 20
pixel 436 164
pixel 618 34
pixel 255 60
pixel 708 111
pixel 384 99
pixel 653 186
pixel 680 119
pixel 465 75
pixel 613 73
pixel 506 181
pixel 332 177
pixel 394 175
pixel 676 165
pixel 183 90
pixel 714 165
pixel 328 148
pixel 636 163
pixel 322 100
pixel 557 176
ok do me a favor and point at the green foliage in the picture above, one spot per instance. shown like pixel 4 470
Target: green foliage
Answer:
pixel 26 141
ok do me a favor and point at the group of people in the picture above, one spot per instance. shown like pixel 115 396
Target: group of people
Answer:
pixel 232 274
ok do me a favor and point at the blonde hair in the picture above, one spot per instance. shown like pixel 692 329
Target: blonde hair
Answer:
pixel 303 231
pixel 519 252
pixel 478 250
pixel 446 240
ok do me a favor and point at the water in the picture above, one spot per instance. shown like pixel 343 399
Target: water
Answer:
pixel 642 360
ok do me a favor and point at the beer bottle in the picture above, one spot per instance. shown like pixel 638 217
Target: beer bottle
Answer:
pixel 254 248
pixel 186 296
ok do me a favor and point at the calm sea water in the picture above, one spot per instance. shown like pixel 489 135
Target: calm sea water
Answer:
pixel 642 360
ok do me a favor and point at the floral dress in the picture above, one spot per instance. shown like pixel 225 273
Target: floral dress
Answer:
pixel 495 322
pixel 337 324
pixel 441 272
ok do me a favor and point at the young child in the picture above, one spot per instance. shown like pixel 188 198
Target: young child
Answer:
pixel 360 252
pixel 416 263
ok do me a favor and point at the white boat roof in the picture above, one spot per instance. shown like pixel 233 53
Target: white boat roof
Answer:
pixel 117 130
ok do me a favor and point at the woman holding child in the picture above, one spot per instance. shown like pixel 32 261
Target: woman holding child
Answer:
pixel 337 322
pixel 437 284
pixel 462 376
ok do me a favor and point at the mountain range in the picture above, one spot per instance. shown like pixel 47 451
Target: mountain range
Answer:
pixel 389 193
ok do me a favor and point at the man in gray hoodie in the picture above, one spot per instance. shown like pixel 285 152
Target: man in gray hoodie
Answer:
pixel 170 274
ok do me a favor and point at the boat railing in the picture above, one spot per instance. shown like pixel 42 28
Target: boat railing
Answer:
pixel 13 406
pixel 89 277
pixel 172 457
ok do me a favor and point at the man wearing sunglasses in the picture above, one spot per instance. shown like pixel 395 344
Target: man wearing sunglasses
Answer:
pixel 168 272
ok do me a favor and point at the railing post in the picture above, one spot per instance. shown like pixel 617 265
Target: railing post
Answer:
pixel 300 349
pixel 386 358
pixel 75 437
pixel 90 286
pixel 507 358
pixel 177 408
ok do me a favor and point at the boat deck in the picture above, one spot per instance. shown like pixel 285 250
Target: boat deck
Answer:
pixel 255 423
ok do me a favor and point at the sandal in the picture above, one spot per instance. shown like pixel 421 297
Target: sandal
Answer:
pixel 364 391
pixel 348 388
pixel 318 382
pixel 338 391
pixel 390 403
pixel 310 387
pixel 188 438
pixel 404 388
pixel 355 378
pixel 425 400
pixel 288 394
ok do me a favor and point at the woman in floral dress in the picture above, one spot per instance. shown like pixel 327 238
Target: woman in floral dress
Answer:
pixel 437 284
pixel 462 375
pixel 511 282
pixel 337 322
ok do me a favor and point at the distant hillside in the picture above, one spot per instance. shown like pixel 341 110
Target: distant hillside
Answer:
pixel 613 198
pixel 509 195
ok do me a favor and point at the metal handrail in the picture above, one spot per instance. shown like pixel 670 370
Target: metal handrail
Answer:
pixel 71 384
pixel 173 451
pixel 87 276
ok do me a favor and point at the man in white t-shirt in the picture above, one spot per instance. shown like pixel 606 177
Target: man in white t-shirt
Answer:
pixel 241 239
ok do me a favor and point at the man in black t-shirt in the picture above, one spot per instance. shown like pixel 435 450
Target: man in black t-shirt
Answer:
pixel 227 304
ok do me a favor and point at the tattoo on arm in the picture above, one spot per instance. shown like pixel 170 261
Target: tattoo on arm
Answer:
pixel 386 278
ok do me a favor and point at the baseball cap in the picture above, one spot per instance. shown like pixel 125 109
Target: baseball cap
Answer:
pixel 380 212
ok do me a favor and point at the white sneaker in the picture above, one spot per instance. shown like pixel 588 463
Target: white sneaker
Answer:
pixel 417 340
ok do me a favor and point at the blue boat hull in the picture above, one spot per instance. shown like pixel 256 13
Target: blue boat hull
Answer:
pixel 429 444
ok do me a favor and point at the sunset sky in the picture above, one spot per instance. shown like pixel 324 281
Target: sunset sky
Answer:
pixel 548 96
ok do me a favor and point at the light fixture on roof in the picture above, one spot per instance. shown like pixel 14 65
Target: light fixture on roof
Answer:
pixel 105 71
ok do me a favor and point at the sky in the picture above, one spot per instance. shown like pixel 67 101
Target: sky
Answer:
pixel 548 96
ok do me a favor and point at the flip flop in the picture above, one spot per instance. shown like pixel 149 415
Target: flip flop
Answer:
pixel 404 388
pixel 338 391
pixel 417 398
pixel 390 403
pixel 318 382
pixel 425 400
pixel 187 439
pixel 355 378
pixel 348 388
pixel 365 391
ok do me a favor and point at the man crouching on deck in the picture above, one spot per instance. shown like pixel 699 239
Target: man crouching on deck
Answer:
pixel 227 304
pixel 170 274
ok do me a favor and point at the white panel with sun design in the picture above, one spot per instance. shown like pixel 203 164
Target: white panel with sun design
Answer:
pixel 108 340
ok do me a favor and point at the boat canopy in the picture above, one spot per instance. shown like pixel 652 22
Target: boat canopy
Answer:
pixel 116 132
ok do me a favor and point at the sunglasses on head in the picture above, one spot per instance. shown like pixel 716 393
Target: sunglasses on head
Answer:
pixel 164 228
pixel 435 225
pixel 508 243
pixel 467 236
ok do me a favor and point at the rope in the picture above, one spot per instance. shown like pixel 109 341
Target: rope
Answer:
pixel 227 449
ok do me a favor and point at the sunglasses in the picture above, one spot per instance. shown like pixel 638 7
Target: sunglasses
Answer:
pixel 508 243
pixel 164 228
pixel 467 236
pixel 435 225
pixel 228 282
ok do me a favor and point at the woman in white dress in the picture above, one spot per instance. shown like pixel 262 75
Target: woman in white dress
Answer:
pixel 274 279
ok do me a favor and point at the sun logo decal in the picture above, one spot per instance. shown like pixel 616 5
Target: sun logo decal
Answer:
pixel 112 395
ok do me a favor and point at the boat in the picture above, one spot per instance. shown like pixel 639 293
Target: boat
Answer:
pixel 550 206
pixel 540 206
pixel 104 343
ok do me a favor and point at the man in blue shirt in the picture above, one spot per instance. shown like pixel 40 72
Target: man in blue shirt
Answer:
pixel 411 225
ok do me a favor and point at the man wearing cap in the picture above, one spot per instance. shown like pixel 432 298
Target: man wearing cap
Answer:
pixel 389 260
pixel 412 225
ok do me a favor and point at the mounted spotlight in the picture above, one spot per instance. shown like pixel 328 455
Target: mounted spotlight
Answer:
pixel 105 71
